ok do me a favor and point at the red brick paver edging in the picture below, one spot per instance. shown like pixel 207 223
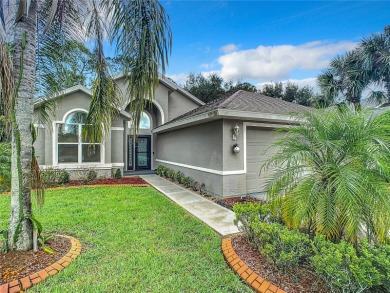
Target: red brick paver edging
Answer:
pixel 255 281
pixel 33 279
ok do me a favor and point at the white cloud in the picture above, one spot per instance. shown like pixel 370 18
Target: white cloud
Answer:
pixel 229 48
pixel 179 78
pixel 311 82
pixel 277 62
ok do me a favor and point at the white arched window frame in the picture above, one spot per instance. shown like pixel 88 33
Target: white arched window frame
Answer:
pixel 69 148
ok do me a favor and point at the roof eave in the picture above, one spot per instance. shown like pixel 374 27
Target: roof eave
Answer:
pixel 228 114
pixel 171 86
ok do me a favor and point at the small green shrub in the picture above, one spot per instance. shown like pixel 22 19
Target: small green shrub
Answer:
pixel 91 175
pixel 249 212
pixel 170 174
pixel 161 170
pixel 284 248
pixel 186 181
pixel 118 174
pixel 195 185
pixel 179 176
pixel 53 177
pixel 343 270
pixel 379 255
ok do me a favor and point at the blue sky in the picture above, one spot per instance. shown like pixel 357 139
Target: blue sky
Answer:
pixel 262 41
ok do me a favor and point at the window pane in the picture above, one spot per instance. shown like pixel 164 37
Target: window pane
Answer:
pixel 91 153
pixel 83 140
pixel 68 133
pixel 76 117
pixel 144 122
pixel 67 153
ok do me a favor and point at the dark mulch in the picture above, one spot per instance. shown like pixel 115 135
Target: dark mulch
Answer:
pixel 231 201
pixel 16 264
pixel 133 180
pixel 299 279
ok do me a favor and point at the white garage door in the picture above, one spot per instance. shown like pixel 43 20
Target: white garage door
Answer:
pixel 258 150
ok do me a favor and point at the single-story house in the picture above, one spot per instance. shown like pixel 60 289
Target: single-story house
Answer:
pixel 220 144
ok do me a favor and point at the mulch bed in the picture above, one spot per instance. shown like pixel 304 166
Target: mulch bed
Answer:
pixel 231 201
pixel 18 264
pixel 298 279
pixel 133 180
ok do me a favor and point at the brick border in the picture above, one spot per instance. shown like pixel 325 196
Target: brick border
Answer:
pixel 256 282
pixel 23 284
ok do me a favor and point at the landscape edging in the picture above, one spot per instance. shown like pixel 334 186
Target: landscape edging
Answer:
pixel 255 281
pixel 35 278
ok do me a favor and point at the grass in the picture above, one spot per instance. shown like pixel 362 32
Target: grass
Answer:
pixel 134 240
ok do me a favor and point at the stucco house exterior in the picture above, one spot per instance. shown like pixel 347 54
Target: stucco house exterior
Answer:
pixel 178 131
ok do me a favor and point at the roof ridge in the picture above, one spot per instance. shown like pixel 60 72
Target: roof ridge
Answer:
pixel 229 99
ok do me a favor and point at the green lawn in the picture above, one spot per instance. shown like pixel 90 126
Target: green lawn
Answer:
pixel 134 240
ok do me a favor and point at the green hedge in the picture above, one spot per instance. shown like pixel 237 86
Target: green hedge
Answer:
pixel 343 267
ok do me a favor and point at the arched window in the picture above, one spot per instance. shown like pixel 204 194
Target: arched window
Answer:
pixel 144 122
pixel 71 147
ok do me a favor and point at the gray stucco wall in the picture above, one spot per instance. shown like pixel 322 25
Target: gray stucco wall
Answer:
pixel 179 104
pixel 199 145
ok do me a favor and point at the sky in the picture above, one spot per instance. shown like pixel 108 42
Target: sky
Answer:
pixel 263 41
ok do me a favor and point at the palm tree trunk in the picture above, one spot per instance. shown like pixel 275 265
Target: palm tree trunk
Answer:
pixel 21 132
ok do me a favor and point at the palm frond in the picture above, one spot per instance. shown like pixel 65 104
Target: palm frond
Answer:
pixel 142 33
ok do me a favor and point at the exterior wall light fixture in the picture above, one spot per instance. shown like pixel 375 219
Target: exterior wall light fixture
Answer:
pixel 236 132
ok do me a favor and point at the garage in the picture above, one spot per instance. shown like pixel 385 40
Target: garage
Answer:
pixel 258 151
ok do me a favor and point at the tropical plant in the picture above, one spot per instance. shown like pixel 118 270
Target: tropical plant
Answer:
pixel 331 175
pixel 139 30
pixel 5 166
pixel 345 78
pixel 374 53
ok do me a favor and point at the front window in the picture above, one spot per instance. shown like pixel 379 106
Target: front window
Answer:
pixel 144 122
pixel 71 146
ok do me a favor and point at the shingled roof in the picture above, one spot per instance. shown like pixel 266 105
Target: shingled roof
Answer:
pixel 246 101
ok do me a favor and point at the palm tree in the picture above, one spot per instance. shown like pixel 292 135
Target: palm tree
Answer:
pixel 374 52
pixel 344 78
pixel 332 175
pixel 139 30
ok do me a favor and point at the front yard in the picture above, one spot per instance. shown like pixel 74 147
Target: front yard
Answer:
pixel 134 239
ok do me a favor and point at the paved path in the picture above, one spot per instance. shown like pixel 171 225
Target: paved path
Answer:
pixel 214 215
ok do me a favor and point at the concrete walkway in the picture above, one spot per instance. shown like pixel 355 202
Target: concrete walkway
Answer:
pixel 214 215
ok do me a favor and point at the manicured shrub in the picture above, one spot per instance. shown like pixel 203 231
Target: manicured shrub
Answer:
pixel 284 248
pixel 249 212
pixel 186 181
pixel 91 175
pixel 344 270
pixel 161 170
pixel 53 177
pixel 170 174
pixel 178 176
pixel 118 174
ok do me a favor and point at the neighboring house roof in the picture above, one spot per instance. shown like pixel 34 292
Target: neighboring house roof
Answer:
pixel 169 84
pixel 241 104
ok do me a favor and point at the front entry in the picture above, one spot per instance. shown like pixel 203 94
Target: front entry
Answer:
pixel 139 152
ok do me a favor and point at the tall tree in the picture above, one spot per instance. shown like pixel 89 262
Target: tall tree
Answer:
pixel 374 53
pixel 139 29
pixel 345 78
pixel 274 90
pixel 291 92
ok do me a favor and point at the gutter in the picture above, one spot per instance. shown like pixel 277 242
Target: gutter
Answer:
pixel 228 114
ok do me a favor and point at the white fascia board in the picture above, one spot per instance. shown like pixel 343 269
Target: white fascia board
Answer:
pixel 256 116
pixel 64 92
pixel 229 114
pixel 193 120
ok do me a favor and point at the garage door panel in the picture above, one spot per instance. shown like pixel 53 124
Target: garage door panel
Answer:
pixel 259 150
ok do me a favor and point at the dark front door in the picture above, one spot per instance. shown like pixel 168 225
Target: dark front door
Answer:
pixel 139 152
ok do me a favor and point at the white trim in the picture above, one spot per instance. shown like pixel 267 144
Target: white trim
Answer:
pixel 212 171
pixel 161 111
pixel 39 126
pixel 73 166
pixel 118 164
pixel 70 111
pixel 118 128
